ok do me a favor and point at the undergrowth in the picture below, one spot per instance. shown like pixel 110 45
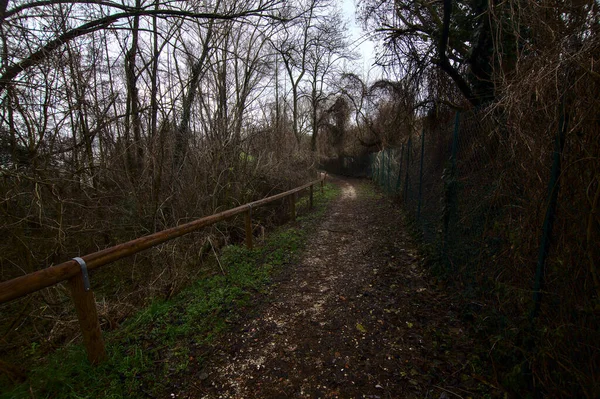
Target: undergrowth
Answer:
pixel 492 352
pixel 172 337
pixel 500 344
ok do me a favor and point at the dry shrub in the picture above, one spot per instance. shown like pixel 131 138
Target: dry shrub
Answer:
pixel 505 161
pixel 560 79
pixel 502 175
pixel 52 214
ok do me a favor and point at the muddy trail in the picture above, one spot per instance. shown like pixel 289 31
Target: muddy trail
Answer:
pixel 357 317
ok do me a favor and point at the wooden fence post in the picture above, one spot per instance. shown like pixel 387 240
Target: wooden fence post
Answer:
pixel 311 197
pixel 87 314
pixel 293 206
pixel 248 220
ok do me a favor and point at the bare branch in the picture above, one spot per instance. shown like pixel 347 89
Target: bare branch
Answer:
pixel 41 54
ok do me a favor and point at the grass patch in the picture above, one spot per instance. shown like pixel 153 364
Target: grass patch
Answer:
pixel 169 338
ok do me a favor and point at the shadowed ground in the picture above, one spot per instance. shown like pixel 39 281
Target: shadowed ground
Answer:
pixel 357 317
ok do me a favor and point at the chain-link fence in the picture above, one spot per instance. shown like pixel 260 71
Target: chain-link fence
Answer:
pixel 485 201
pixel 445 177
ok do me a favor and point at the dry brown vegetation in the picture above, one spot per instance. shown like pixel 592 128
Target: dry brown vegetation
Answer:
pixel 120 119
pixel 125 126
pixel 517 71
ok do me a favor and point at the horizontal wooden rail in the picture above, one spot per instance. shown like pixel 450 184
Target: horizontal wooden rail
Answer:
pixel 75 271
pixel 32 282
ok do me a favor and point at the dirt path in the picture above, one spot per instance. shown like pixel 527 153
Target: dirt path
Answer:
pixel 358 317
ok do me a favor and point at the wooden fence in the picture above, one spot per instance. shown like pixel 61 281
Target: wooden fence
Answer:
pixel 76 269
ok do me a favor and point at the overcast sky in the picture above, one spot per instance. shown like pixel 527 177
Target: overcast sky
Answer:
pixel 365 48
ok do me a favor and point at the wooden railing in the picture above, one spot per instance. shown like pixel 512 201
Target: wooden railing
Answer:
pixel 76 269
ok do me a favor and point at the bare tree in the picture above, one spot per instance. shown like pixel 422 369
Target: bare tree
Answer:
pixel 293 47
pixel 327 47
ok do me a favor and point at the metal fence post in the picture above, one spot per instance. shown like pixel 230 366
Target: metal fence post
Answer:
pixel 455 141
pixel 387 182
pixel 375 168
pixel 382 168
pixel 378 164
pixel 553 187
pixel 406 186
pixel 450 188
pixel 399 180
pixel 421 173
pixel 373 159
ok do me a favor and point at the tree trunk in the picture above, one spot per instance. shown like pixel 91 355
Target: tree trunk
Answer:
pixel 182 132
pixel 133 122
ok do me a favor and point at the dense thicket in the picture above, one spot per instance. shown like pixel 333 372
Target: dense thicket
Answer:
pixel 121 118
pixel 522 70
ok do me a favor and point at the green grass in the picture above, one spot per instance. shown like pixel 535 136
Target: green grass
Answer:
pixel 169 338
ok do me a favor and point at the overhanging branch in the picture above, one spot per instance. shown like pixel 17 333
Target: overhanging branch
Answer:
pixel 444 62
pixel 11 72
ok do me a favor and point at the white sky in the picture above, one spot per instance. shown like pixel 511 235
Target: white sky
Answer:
pixel 364 47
